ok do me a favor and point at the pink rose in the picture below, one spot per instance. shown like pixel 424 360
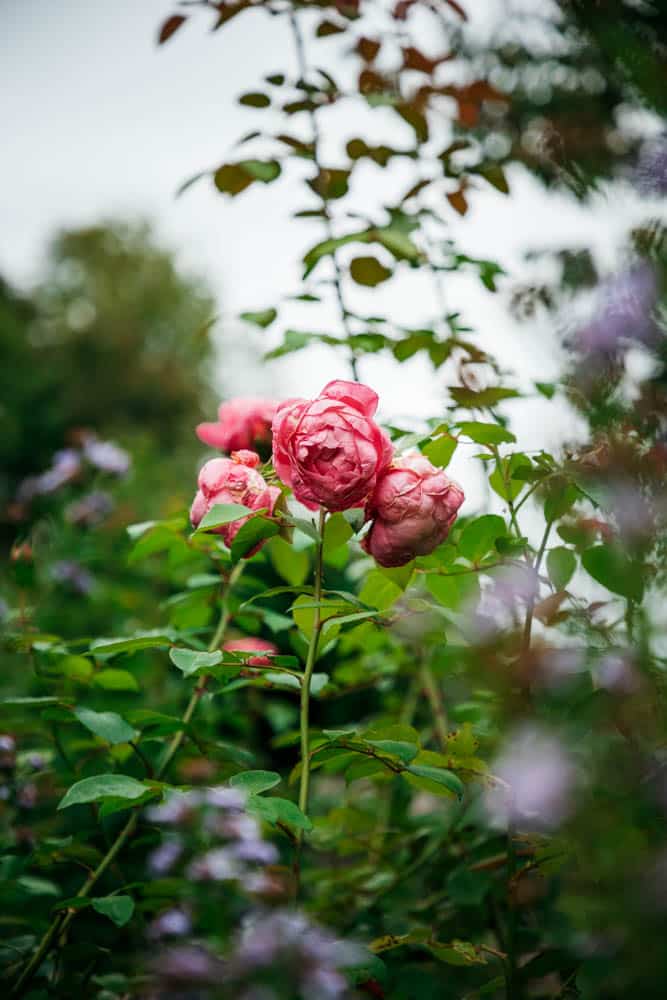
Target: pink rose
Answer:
pixel 329 449
pixel 250 644
pixel 412 509
pixel 233 480
pixel 241 423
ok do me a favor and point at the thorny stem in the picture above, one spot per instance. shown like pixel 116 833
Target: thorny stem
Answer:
pixel 311 659
pixel 328 226
pixel 62 920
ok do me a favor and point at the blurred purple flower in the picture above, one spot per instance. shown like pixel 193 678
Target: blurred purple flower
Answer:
pixel 90 509
pixel 107 456
pixel 616 673
pixel 189 963
pixel 163 858
pixel 624 311
pixel 66 466
pixel 178 807
pixel 304 956
pixel 217 865
pixel 651 171
pixel 259 851
pixel 74 575
pixel 538 776
pixel 225 798
pixel 27 796
pixel 171 923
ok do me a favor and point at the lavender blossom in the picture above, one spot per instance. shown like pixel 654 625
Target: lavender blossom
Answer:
pixel 537 777
pixel 107 456
pixel 286 945
pixel 650 174
pixel 163 859
pixel 171 923
pixel 624 311
pixel 90 509
pixel 65 467
pixel 72 574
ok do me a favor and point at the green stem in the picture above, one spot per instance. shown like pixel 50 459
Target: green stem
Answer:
pixel 525 644
pixel 62 920
pixel 305 681
pixel 433 694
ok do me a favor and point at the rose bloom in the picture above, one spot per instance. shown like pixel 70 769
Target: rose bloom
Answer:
pixel 413 507
pixel 251 644
pixel 233 480
pixel 241 423
pixel 329 449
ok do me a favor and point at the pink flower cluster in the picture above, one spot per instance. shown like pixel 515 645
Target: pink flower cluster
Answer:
pixel 333 455
pixel 233 480
pixel 241 423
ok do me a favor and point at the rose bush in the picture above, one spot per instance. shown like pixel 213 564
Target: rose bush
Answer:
pixel 329 449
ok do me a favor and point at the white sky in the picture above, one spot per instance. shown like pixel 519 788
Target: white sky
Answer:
pixel 99 122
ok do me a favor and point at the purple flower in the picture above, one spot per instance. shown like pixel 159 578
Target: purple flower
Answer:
pixel 73 575
pixel 163 858
pixel 651 171
pixel 91 509
pixel 178 807
pixel 217 865
pixel 225 798
pixel 65 467
pixel 624 311
pixel 259 851
pixel 107 456
pixel 189 963
pixel 536 782
pixel 171 923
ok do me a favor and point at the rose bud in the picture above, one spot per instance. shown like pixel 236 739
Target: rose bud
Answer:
pixel 412 509
pixel 250 644
pixel 241 423
pixel 233 480
pixel 329 449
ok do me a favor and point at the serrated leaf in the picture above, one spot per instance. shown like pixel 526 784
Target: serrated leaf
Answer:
pixel 439 777
pixel 479 536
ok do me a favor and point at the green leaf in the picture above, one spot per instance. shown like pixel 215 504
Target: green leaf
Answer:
pixel 189 661
pixel 561 564
pixel 484 433
pixel 472 399
pixel 119 909
pixel 397 748
pixel 254 782
pixel 221 514
pixel 615 570
pixel 107 725
pixel 292 565
pixel 147 640
pixel 25 702
pixel 103 786
pixel 249 535
pixel 233 178
pixel 263 318
pixel 337 531
pixel 502 480
pixel 439 450
pixel 275 810
pixel 116 680
pixel 438 778
pixel 379 591
pixel 369 271
pixel 255 100
pixel 479 536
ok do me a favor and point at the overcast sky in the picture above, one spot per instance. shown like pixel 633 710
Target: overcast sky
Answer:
pixel 99 122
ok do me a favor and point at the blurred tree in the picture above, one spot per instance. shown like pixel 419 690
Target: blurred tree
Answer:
pixel 114 339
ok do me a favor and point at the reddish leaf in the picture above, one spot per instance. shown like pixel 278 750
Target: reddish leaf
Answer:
pixel 458 201
pixel 170 27
pixel 458 8
pixel 368 49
